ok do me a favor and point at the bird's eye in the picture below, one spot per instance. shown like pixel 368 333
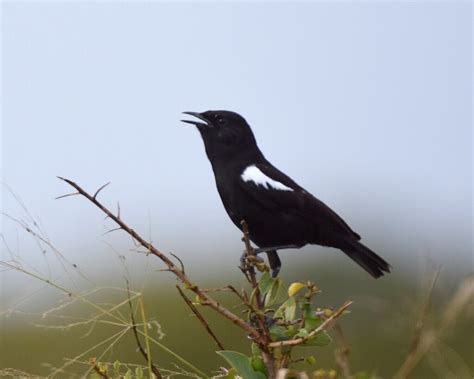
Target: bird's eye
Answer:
pixel 221 121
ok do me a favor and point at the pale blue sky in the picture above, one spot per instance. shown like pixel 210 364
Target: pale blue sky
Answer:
pixel 367 105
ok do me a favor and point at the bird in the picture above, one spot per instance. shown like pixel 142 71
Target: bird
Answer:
pixel 279 213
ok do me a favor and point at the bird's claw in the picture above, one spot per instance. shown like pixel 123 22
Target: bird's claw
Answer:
pixel 248 261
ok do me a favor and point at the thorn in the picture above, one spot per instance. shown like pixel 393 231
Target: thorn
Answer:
pixel 165 269
pixel 180 261
pixel 100 189
pixel 69 194
pixel 112 230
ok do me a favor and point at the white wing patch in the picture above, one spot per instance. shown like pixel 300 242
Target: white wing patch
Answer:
pixel 253 174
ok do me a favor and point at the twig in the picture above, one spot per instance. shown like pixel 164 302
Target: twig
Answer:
pixel 217 289
pixel 154 369
pixel 319 329
pixel 97 369
pixel 111 231
pixel 241 297
pixel 200 318
pixel 259 313
pixel 253 276
pixel 205 298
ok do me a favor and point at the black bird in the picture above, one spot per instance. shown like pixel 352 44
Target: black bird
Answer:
pixel 279 213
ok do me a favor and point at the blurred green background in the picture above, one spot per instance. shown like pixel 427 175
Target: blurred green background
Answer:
pixel 379 330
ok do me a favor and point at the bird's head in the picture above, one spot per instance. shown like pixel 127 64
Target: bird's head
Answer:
pixel 225 134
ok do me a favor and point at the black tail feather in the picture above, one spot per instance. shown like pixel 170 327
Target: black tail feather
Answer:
pixel 366 258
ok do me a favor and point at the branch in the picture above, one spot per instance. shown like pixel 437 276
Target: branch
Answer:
pixel 205 298
pixel 249 270
pixel 250 253
pixel 200 318
pixel 319 329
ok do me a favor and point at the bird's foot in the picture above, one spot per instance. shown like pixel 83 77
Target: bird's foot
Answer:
pixel 248 261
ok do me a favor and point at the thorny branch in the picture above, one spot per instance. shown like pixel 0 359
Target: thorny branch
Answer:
pixel 177 271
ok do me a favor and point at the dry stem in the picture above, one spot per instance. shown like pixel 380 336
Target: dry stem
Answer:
pixel 200 318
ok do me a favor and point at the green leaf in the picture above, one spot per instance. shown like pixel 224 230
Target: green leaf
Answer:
pixel 321 339
pixel 242 364
pixel 290 310
pixel 287 310
pixel 311 321
pixel 273 292
pixel 265 283
pixel 128 375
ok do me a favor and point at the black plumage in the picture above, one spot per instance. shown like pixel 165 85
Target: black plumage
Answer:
pixel 279 213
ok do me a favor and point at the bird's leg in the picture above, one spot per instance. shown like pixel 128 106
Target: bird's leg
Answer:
pixel 274 262
pixel 275 248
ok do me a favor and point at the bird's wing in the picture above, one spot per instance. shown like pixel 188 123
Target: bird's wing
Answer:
pixel 274 190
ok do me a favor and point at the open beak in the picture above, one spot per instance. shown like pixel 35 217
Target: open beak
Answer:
pixel 196 123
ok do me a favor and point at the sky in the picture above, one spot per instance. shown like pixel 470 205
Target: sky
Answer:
pixel 366 105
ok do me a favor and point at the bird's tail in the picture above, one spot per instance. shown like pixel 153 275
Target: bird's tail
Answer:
pixel 366 258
